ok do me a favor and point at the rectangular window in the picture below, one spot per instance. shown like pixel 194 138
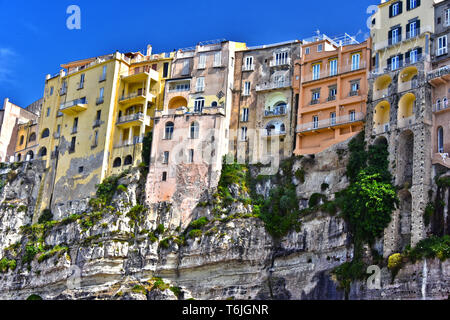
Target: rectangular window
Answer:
pixel 51 91
pixel 244 134
pixel 332 93
pixel 316 122
pixel 72 145
pixel 102 92
pixel 441 46
pixel 333 67
pixel 191 156
pixel 75 126
pixel 247 88
pixel 199 104
pixel 412 4
pixel 80 169
pixel 166 70
pixel 395 63
pixel 352 115
pixel 201 61
pixel 249 63
pixel 307 50
pixel 58 130
pixel 316 71
pixel 166 157
pixel 356 59
pixel 320 48
pixel 354 88
pixel 103 76
pixel 200 84
pixel 413 56
pixel 218 59
pixel 315 96
pixel 447 17
pixel 81 84
pixel 95 139
pixel 164 176
pixel 395 9
pixel 245 114
pixel 333 118
pixel 395 35
pixel 186 67
pixel 281 58
pixel 48 112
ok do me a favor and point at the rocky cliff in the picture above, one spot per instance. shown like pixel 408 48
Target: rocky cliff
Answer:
pixel 122 249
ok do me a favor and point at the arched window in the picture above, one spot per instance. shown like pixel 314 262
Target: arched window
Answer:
pixel 195 130
pixel 438 104
pixel 214 104
pixel 32 137
pixel 199 104
pixel 117 163
pixel 19 157
pixel 21 140
pixel 440 139
pixel 280 108
pixel 43 152
pixel 128 161
pixel 30 155
pixel 283 128
pixel 445 102
pixel 169 131
pixel 45 133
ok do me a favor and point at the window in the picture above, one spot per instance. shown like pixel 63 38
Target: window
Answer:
pixel 395 9
pixel 413 56
pixel 58 129
pixel 247 88
pixel 440 138
pixel 166 70
pixel 81 84
pixel 169 131
pixel 248 63
pixel 352 114
pixel 128 161
pixel 218 59
pixel 72 145
pixel 164 176
pixel 32 137
pixel 200 84
pixel 199 104
pixel 445 102
pixel 395 35
pixel 333 67
pixel 117 163
pixel 447 17
pixel 166 156
pixel 186 67
pixel 442 46
pixel 95 139
pixel 102 92
pixel 201 61
pixel 332 93
pixel 356 59
pixel 97 121
pixel 354 85
pixel 412 4
pixel 244 134
pixel 333 118
pixel 307 50
pixel 413 30
pixel 316 122
pixel 75 126
pixel 191 156
pixel 395 62
pixel 195 130
pixel 320 48
pixel 45 133
pixel 22 138
pixel 315 96
pixel 245 114
pixel 48 112
pixel 438 104
pixel 281 58
pixel 51 91
pixel 80 169
pixel 103 76
pixel 43 152
pixel 316 71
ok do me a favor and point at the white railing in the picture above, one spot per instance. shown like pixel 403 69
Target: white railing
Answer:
pixel 437 73
pixel 72 103
pixel 441 51
pixel 179 89
pixel 132 117
pixel 276 112
pixel 246 67
pixel 280 62
pixel 440 106
pixel 273 85
pixel 404 122
pixel 335 72
pixel 330 122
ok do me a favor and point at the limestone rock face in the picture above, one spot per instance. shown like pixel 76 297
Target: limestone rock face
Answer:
pixel 114 254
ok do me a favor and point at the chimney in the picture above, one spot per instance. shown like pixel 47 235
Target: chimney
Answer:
pixel 149 50
pixel 48 76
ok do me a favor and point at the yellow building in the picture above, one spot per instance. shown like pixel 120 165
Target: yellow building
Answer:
pixel 27 145
pixel 95 115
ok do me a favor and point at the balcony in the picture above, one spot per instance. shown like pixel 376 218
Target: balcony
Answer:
pixel 134 97
pixel 128 143
pixel 329 123
pixel 280 62
pixel 97 123
pixel 273 133
pixel 314 102
pixel 439 76
pixel 440 107
pixel 387 43
pixel 62 91
pixel 136 119
pixel 354 93
pixel 274 85
pixel 275 113
pixel 74 107
pixel 328 73
pixel 405 122
pixel 249 67
pixel 441 51
pixel 139 75
pixel 99 100
pixel 331 98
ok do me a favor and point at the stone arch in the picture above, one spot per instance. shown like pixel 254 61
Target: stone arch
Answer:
pixel 408 73
pixel 381 140
pixel 382 82
pixel 45 133
pixel 117 163
pixel 43 152
pixel 177 102
pixel 406 106
pixel 404 225
pixel 128 160
pixel 405 158
pixel 382 113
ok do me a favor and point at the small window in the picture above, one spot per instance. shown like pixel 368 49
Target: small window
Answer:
pixel 45 133
pixel 320 48
pixel 191 156
pixel 80 169
pixel 245 114
pixel 247 88
pixel 169 131
pixel 200 84
pixel 307 50
pixel 22 138
pixel 32 137
pixel 43 152
pixel 48 112
pixel 164 176
pixel 199 105
pixel 440 139
pixel 202 61
pixel 244 133
pixel 166 157
pixel 166 70
pixel 128 161
pixel 195 130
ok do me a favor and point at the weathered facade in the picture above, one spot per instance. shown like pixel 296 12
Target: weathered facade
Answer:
pixel 399 113
pixel 439 79
pixel 263 116
pixel 330 80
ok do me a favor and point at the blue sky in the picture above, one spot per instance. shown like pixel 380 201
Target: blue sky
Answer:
pixel 34 39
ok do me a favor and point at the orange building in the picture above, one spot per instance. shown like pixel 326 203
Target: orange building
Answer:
pixel 331 83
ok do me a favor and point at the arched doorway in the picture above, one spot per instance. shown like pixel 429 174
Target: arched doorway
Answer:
pixel 405 158
pixel 177 102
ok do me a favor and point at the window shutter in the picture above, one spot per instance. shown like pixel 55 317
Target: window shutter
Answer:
pixel 390 37
pixel 418 26
pixel 400 60
pixel 407 57
pixel 418 3
pixel 390 11
pixel 408 6
pixel 389 62
pixel 400 7
pixel 399 34
pixel 408 30
pixel 419 53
